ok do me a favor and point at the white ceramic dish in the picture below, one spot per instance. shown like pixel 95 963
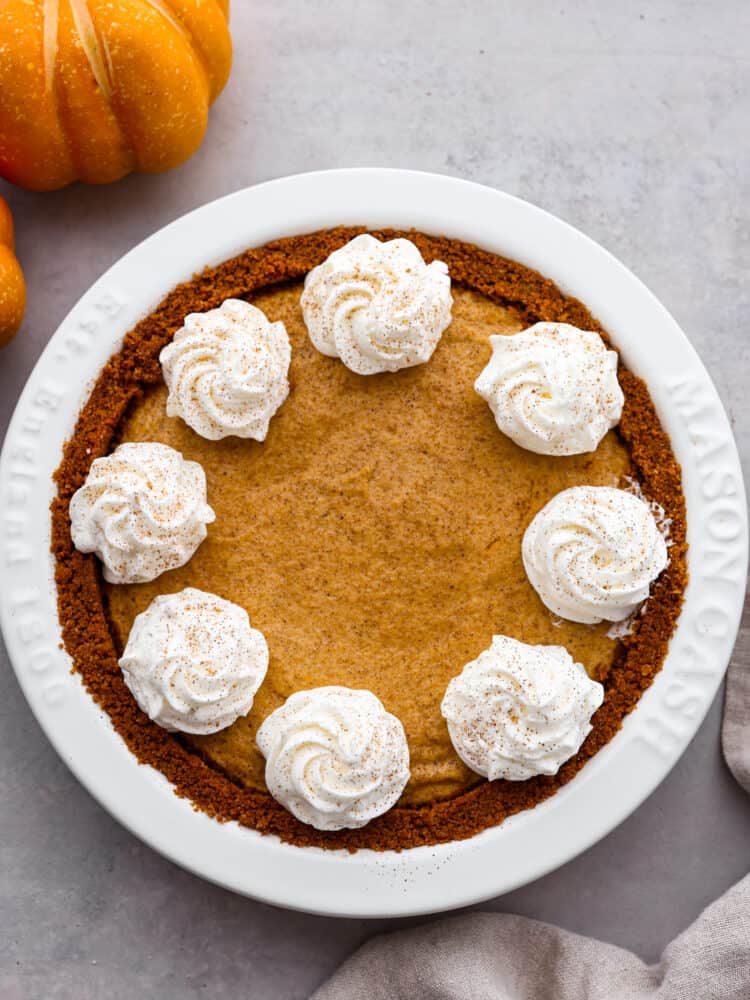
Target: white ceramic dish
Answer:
pixel 530 844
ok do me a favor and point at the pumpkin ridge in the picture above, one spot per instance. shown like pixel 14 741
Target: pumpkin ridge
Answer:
pixel 92 46
pixel 129 146
pixel 50 18
pixel 61 111
pixel 50 41
pixel 96 49
pixel 162 7
pixel 92 41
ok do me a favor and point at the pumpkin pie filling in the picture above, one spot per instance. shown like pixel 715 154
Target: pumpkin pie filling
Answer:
pixel 374 539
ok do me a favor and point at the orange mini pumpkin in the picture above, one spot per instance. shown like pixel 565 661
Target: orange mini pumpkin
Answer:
pixel 92 89
pixel 12 285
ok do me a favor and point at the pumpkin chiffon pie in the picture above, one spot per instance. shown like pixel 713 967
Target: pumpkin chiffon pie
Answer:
pixel 373 536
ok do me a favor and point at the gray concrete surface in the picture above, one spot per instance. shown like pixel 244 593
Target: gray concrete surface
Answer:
pixel 629 121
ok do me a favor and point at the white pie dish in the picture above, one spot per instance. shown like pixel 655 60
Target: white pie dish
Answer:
pixel 526 846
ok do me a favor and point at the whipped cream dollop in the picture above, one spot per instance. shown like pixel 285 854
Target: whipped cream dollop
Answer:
pixel 520 710
pixel 142 510
pixel 335 758
pixel 377 306
pixel 592 553
pixel 226 371
pixel 193 663
pixel 552 388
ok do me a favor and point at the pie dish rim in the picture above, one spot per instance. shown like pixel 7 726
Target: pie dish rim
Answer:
pixel 426 879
